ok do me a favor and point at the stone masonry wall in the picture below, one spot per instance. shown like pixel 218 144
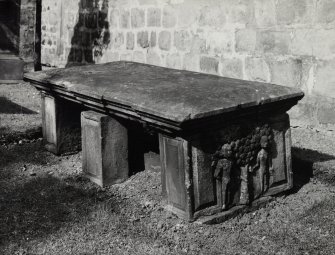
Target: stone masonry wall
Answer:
pixel 289 42
pixel 27 32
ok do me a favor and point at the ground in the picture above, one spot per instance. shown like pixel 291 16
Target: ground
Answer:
pixel 48 207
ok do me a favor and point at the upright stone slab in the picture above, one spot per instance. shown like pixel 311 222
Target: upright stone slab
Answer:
pixel 105 148
pixel 60 124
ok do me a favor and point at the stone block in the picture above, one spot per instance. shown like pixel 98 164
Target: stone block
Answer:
pixel 265 13
pixel 232 68
pixel 198 45
pixel 212 16
pixel 257 69
pixel 126 57
pixel 137 18
pixel 154 17
pixel 164 40
pixel 60 125
pixel 143 39
pixel 220 42
pixel 325 78
pixel 326 112
pixel 245 40
pixel 275 42
pixel 173 61
pixel 287 72
pixel 153 39
pixel 169 18
pixel 191 62
pixel 182 40
pixel 324 43
pixel 240 12
pixel 114 18
pixel 302 42
pixel 117 40
pixel 209 65
pixel 326 11
pixel 105 149
pixel 138 56
pixel 130 38
pixel 153 58
pixel 294 11
pixel 124 19
pixel 11 68
pixel 112 56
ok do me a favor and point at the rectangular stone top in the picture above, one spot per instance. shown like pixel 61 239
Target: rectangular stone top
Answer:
pixel 175 95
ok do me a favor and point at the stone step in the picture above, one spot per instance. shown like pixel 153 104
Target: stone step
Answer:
pixel 11 68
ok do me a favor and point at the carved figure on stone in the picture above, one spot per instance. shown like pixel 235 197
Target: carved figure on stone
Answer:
pixel 264 164
pixel 240 158
pixel 222 170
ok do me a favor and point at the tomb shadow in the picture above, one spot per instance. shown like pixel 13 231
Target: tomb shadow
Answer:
pixel 10 107
pixel 304 167
pixel 44 205
pixel 34 206
pixel 91 33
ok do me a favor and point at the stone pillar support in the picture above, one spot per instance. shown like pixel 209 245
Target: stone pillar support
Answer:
pixel 105 148
pixel 60 124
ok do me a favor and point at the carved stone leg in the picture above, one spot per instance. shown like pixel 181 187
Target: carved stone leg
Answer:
pixel 105 149
pixel 60 124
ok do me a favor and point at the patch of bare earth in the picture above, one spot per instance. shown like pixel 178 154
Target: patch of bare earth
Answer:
pixel 48 207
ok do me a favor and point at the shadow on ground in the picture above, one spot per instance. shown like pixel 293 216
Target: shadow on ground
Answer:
pixel 42 206
pixel 9 107
pixel 308 163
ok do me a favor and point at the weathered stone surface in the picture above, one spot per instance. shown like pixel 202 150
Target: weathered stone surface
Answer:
pixel 173 61
pixel 137 18
pixel 265 13
pixel 276 42
pixel 153 58
pixel 154 17
pixel 245 40
pixel 117 40
pixel 142 39
pixel 105 149
pixel 240 12
pixel 302 42
pixel 326 11
pixel 181 95
pixel 286 72
pixel 130 41
pixel 126 57
pixel 209 65
pixel 220 42
pixel 191 62
pixel 182 40
pixel 324 43
pixel 257 69
pixel 212 16
pixel 138 56
pixel 164 40
pixel 294 11
pixel 114 18
pixel 169 17
pixel 232 68
pixel 325 78
pixel 125 19
pixel 153 39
